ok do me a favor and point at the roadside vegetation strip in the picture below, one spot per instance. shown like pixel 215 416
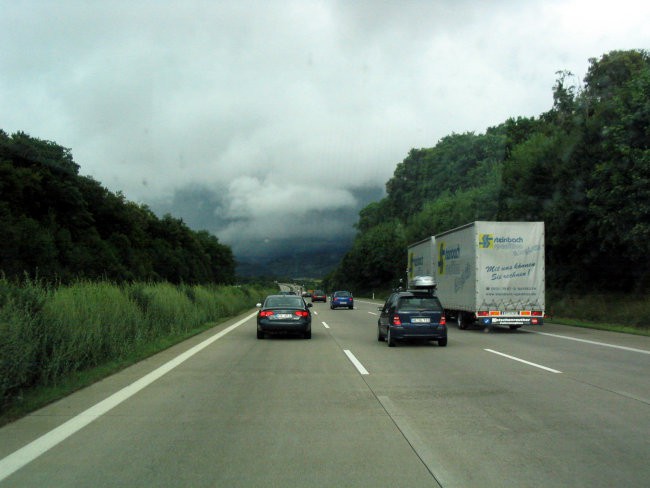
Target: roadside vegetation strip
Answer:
pixel 55 340
pixel 611 327
pixel 629 313
pixel 34 449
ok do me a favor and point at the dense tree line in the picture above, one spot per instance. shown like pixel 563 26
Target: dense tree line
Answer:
pixel 583 168
pixel 59 226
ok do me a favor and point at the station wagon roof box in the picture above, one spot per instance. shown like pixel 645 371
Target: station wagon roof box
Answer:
pixel 422 283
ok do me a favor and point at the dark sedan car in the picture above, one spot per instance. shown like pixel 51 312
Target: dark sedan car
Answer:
pixel 319 296
pixel 412 316
pixel 342 299
pixel 282 314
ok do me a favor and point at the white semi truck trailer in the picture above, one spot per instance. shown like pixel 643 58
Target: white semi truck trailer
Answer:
pixel 487 273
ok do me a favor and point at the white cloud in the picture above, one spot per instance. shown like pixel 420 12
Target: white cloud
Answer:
pixel 326 95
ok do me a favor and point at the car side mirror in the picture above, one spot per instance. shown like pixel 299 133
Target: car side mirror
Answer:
pixel 259 305
pixel 310 305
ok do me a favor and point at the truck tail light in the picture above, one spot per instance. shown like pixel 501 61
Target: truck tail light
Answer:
pixel 537 313
pixel 443 320
pixel 482 313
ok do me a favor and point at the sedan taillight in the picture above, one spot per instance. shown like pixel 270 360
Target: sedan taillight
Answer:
pixel 301 313
pixel 266 313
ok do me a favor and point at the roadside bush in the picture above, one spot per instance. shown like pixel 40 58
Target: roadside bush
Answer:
pixel 49 333
pixel 615 309
pixel 19 336
pixel 85 324
pixel 168 310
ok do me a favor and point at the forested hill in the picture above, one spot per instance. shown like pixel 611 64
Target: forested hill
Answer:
pixel 583 168
pixel 58 225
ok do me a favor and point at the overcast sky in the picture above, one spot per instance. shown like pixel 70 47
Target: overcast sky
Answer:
pixel 249 108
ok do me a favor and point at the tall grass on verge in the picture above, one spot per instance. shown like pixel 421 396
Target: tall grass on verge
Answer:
pixel 85 324
pixel 20 336
pixel 48 333
pixel 167 310
pixel 629 312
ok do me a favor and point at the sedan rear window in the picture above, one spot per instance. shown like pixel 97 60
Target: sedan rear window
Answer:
pixel 285 301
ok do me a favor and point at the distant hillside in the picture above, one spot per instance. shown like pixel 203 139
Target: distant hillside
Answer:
pixel 59 226
pixel 313 259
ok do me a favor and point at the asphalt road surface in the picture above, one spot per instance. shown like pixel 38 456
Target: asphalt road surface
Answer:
pixel 552 406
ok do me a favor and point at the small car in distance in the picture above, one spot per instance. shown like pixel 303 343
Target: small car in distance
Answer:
pixel 318 296
pixel 284 314
pixel 342 299
pixel 412 315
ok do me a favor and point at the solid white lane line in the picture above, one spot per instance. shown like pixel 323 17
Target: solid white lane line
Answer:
pixel 373 313
pixel 604 344
pixel 523 361
pixel 325 325
pixel 34 449
pixel 356 362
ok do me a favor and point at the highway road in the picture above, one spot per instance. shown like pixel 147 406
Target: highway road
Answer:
pixel 552 406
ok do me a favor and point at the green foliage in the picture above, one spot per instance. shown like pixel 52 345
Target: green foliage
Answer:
pixel 631 311
pixel 457 163
pixel 60 226
pixel 83 325
pixel 583 168
pixel 47 333
pixel 376 258
pixel 20 336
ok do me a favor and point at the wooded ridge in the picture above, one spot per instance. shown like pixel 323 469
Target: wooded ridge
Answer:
pixel 583 168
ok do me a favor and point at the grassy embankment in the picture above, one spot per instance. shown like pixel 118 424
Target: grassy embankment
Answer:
pixel 55 340
pixel 615 312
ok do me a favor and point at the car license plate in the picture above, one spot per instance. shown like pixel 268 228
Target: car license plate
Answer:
pixel 283 316
pixel 420 320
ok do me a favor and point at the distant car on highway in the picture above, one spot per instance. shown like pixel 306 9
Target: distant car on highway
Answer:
pixel 412 315
pixel 342 299
pixel 319 296
pixel 284 314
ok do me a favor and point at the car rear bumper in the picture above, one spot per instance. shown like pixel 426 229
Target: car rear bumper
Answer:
pixel 270 327
pixel 418 332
